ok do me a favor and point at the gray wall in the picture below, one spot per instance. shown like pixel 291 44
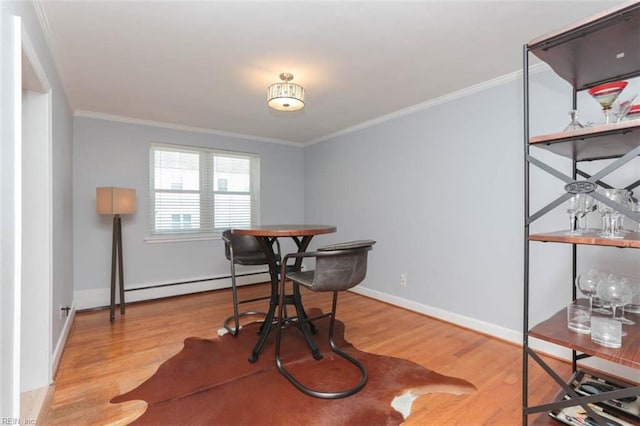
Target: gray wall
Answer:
pixel 109 153
pixel 441 190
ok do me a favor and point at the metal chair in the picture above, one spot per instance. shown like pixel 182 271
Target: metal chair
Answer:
pixel 339 267
pixel 241 250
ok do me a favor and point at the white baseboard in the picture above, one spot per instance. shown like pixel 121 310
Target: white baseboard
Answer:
pixel 62 341
pixel 503 333
pixel 97 298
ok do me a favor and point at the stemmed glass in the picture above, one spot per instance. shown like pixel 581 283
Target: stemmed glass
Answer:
pixel 573 206
pixel 587 283
pixel 577 207
pixel 584 209
pixel 615 289
pixel 606 94
pixel 611 218
pixel 635 207
pixel 622 109
pixel 634 285
pixel 624 198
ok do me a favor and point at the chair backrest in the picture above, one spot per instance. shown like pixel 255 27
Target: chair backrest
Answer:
pixel 343 266
pixel 246 249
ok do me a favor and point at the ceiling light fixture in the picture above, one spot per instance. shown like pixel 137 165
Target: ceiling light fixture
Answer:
pixel 285 96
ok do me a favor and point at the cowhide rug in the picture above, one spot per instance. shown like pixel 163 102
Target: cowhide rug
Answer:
pixel 210 382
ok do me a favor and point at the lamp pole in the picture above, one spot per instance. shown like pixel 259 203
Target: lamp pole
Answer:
pixel 116 264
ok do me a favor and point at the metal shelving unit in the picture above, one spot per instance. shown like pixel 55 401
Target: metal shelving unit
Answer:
pixel 603 48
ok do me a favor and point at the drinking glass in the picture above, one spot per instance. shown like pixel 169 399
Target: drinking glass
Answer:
pixel 615 289
pixel 624 197
pixel 572 209
pixel 606 94
pixel 587 283
pixel 621 109
pixel 634 285
pixel 610 217
pixel 584 209
pixel 635 206
pixel 577 207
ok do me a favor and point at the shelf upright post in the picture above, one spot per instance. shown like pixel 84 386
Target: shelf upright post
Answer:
pixel 525 311
pixel 574 247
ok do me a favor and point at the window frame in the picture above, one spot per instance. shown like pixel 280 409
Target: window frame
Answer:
pixel 206 192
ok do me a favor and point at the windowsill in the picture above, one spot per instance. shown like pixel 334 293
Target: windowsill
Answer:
pixel 153 239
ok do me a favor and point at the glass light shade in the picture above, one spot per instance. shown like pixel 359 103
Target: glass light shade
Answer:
pixel 285 96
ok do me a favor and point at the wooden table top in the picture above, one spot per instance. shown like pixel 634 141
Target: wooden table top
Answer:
pixel 285 230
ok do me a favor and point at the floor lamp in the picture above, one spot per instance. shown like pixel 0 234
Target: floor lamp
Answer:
pixel 115 202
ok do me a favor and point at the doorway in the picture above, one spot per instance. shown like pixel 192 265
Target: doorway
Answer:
pixel 36 291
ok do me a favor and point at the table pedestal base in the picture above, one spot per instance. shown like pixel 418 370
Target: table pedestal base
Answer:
pixel 271 321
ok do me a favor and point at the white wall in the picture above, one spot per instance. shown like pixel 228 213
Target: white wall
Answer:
pixel 36 242
pixel 10 213
pixel 112 153
pixel 61 184
pixel 62 286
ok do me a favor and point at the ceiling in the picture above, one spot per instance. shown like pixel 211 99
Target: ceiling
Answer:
pixel 207 64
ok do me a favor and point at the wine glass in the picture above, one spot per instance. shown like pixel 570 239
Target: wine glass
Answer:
pixel 633 113
pixel 624 198
pixel 634 285
pixel 577 208
pixel 573 206
pixel 610 217
pixel 616 290
pixel 587 283
pixel 621 109
pixel 584 209
pixel 606 94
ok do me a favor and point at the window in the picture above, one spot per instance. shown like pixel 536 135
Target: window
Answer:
pixel 198 192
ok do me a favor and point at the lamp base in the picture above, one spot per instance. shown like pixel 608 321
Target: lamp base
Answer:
pixel 116 265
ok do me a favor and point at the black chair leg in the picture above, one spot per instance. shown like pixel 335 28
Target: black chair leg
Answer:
pixel 234 291
pixel 312 392
pixel 235 329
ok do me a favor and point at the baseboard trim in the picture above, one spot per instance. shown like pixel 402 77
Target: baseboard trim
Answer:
pixel 62 341
pixel 99 298
pixel 499 332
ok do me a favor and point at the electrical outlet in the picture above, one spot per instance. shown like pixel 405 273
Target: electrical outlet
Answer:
pixel 403 280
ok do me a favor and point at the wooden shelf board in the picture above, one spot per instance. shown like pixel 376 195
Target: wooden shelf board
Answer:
pixel 555 330
pixel 590 51
pixel 591 237
pixel 592 143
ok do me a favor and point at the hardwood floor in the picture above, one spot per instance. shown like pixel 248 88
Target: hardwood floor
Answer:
pixel 103 359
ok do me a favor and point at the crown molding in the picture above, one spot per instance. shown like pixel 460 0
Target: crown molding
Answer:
pixel 173 126
pixel 485 85
pixel 38 6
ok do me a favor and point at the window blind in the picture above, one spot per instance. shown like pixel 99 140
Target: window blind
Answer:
pixel 198 191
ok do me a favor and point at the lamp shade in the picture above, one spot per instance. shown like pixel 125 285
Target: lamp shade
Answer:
pixel 110 200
